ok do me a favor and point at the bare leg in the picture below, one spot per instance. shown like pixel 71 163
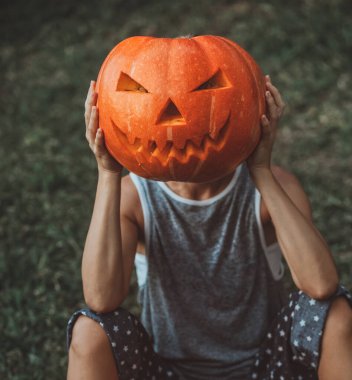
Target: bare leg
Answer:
pixel 90 354
pixel 336 356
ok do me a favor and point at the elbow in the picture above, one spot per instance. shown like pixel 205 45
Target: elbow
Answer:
pixel 324 291
pixel 103 305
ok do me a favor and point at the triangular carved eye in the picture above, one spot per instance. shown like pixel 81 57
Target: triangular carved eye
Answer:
pixel 218 80
pixel 126 83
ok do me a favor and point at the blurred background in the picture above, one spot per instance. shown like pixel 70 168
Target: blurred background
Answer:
pixel 50 50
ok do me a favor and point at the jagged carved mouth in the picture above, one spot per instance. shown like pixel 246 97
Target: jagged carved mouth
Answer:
pixel 146 151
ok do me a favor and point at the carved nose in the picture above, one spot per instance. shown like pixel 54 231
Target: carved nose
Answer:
pixel 170 115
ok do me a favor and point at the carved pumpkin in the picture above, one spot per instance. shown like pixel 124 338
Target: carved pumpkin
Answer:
pixel 182 109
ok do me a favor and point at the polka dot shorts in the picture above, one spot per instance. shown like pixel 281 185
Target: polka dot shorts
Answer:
pixel 131 345
pixel 291 348
pixel 289 351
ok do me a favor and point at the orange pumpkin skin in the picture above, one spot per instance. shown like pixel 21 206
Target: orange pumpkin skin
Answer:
pixel 180 109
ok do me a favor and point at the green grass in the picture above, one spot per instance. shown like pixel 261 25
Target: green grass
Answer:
pixel 49 53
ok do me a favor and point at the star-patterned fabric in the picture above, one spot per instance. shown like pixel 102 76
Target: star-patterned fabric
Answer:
pixel 291 348
pixel 131 345
pixel 289 351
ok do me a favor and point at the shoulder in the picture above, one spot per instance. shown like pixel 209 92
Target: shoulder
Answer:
pixel 127 185
pixel 293 188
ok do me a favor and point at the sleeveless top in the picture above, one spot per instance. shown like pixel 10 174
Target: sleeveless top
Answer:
pixel 208 294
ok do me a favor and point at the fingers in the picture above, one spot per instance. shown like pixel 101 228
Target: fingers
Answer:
pixel 265 123
pixel 92 126
pixel 99 143
pixel 95 134
pixel 266 127
pixel 274 112
pixel 274 100
pixel 91 101
pixel 274 92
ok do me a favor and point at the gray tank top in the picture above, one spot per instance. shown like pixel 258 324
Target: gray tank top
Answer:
pixel 209 294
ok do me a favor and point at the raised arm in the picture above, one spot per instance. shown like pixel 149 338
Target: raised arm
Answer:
pixel 306 252
pixel 111 241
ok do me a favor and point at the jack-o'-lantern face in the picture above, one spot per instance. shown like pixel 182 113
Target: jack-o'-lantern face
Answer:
pixel 184 109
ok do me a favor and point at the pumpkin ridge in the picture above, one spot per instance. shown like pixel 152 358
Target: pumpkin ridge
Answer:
pixel 245 58
pixel 209 61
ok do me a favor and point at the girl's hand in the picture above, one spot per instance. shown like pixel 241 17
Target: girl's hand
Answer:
pixel 95 135
pixel 261 157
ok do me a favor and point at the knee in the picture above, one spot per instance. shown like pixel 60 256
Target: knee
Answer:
pixel 339 318
pixel 88 338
